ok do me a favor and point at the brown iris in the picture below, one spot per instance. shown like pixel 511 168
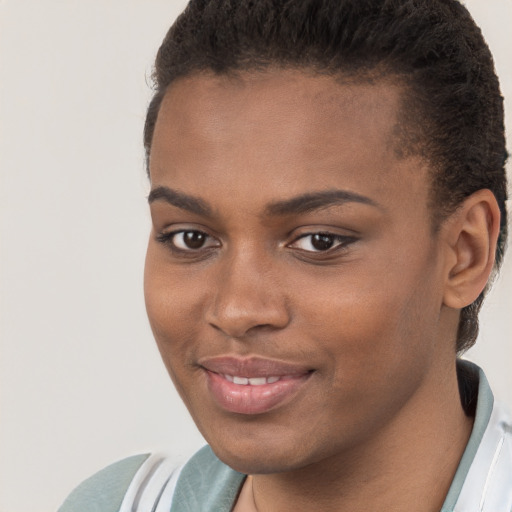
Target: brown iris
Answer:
pixel 194 239
pixel 322 242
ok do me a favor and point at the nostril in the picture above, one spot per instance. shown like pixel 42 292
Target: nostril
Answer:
pixel 238 324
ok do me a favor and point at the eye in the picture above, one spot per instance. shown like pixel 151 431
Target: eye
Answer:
pixel 320 242
pixel 188 240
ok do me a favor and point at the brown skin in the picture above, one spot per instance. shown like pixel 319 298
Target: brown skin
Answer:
pixel 378 425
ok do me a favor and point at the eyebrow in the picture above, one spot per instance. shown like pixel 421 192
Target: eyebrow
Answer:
pixel 180 200
pixel 317 201
pixel 296 205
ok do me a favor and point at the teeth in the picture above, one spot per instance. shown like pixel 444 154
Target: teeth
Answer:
pixel 257 381
pixel 253 381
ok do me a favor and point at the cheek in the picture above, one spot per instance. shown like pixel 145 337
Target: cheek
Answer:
pixel 373 322
pixel 173 318
pixel 173 303
pixel 378 347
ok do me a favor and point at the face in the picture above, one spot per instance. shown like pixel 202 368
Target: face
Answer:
pixel 293 282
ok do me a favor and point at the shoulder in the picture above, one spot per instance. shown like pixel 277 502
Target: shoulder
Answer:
pixel 105 490
pixel 155 482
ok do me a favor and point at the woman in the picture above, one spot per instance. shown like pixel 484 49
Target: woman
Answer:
pixel 328 205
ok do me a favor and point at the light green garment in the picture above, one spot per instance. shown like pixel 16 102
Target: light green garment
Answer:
pixel 205 484
pixel 104 491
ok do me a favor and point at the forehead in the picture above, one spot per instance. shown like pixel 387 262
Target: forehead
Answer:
pixel 304 129
pixel 292 99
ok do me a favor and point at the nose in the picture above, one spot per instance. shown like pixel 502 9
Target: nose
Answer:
pixel 248 297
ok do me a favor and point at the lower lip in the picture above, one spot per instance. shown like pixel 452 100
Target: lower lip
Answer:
pixel 248 399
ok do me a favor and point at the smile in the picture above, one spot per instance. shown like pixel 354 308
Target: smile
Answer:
pixel 254 385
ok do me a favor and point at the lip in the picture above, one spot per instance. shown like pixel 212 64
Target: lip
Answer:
pixel 252 366
pixel 253 399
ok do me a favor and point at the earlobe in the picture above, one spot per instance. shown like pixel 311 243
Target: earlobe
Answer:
pixel 472 234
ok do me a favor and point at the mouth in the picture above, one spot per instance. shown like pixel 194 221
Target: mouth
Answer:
pixel 255 385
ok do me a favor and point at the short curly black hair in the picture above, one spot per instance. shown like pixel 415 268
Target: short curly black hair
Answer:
pixel 452 110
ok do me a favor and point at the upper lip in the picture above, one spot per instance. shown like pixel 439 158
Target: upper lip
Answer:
pixel 252 366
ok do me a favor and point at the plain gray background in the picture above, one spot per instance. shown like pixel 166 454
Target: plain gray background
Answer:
pixel 82 384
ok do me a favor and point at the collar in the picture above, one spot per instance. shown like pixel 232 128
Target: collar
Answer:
pixel 483 480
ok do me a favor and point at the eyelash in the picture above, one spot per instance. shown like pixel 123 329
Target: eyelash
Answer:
pixel 339 242
pixel 168 240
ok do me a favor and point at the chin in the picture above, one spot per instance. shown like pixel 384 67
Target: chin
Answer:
pixel 262 456
pixel 255 464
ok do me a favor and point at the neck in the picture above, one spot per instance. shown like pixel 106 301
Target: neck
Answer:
pixel 408 466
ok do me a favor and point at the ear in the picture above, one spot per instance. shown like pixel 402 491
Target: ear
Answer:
pixel 472 234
